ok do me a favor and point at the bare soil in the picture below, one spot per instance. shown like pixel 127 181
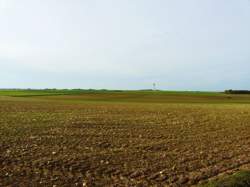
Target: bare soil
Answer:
pixel 120 144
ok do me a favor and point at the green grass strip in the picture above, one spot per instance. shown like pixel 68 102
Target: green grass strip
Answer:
pixel 239 179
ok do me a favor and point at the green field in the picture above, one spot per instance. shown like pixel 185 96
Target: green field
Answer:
pixel 130 96
pixel 123 138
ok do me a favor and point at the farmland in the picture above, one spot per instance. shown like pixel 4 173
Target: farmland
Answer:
pixel 113 138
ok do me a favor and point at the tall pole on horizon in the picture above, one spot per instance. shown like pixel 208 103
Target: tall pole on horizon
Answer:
pixel 154 86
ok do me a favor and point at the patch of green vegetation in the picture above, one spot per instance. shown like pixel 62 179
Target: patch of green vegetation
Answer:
pixel 135 96
pixel 44 92
pixel 239 179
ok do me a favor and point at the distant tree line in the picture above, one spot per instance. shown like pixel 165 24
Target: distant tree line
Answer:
pixel 237 91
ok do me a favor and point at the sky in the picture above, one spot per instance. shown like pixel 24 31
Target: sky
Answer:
pixel 125 44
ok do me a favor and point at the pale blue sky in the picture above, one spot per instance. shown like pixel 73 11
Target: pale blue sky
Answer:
pixel 125 44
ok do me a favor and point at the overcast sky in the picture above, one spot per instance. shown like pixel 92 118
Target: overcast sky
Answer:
pixel 125 44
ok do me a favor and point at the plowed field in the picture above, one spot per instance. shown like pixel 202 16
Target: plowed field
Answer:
pixel 44 142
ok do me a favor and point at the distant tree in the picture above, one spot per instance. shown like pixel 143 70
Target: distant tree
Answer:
pixel 237 91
